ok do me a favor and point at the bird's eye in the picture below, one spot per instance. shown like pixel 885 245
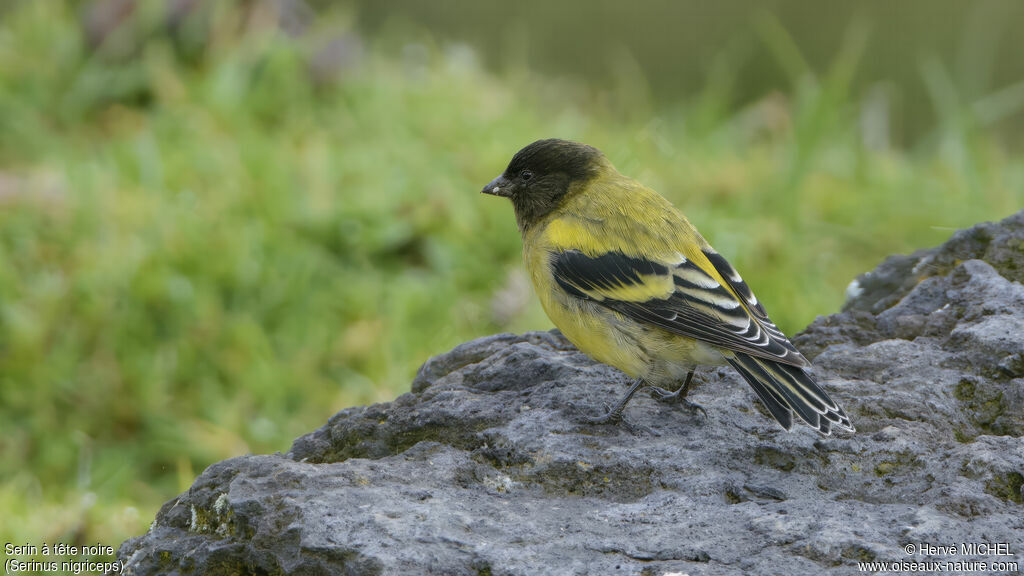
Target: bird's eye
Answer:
pixel 525 175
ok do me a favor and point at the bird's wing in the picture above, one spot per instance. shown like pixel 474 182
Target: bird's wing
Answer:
pixel 700 296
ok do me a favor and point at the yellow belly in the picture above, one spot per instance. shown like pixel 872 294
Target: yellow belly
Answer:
pixel 597 333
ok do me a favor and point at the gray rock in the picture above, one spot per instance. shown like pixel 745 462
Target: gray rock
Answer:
pixel 1001 244
pixel 483 468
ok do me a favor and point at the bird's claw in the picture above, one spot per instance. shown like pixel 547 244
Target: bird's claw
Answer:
pixel 609 416
pixel 678 398
pixel 662 395
pixel 613 418
pixel 694 407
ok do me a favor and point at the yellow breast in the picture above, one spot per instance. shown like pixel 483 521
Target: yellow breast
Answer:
pixel 598 332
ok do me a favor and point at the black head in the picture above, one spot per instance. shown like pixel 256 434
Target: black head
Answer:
pixel 540 175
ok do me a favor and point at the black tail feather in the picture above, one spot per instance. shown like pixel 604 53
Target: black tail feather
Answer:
pixel 785 389
pixel 776 405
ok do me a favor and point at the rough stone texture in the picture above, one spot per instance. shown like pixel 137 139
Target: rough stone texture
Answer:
pixel 484 469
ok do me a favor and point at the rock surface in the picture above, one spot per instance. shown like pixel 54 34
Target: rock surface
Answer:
pixel 484 469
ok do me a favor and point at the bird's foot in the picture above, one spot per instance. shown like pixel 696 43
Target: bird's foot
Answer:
pixel 663 395
pixel 612 417
pixel 677 398
pixel 694 407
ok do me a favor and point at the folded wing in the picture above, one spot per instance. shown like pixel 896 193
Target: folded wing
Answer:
pixel 710 302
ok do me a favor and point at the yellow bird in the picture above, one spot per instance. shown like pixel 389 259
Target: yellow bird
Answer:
pixel 630 282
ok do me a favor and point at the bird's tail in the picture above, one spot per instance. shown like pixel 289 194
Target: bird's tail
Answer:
pixel 785 389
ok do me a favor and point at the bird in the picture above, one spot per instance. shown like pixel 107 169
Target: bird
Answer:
pixel 631 283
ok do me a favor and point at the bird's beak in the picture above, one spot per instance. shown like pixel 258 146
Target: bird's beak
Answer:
pixel 500 186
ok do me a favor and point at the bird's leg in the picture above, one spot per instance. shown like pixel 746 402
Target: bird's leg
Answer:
pixel 614 413
pixel 679 396
pixel 663 395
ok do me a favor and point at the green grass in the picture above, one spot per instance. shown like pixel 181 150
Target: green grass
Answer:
pixel 206 257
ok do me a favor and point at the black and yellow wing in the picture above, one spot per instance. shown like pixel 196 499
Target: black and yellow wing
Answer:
pixel 705 299
pixel 681 296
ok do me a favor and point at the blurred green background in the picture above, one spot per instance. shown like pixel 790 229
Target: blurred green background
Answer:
pixel 221 222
